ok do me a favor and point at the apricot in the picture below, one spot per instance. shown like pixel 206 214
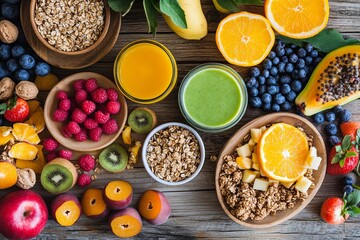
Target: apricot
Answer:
pixel 154 207
pixel 93 204
pixel 66 209
pixel 126 223
pixel 118 194
pixel 8 175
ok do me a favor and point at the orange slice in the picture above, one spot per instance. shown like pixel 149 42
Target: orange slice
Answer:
pixel 298 18
pixel 24 132
pixel 37 120
pixel 5 135
pixel 282 152
pixel 245 39
pixel 23 151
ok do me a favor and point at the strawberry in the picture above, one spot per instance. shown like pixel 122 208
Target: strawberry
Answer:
pixel 342 158
pixel 15 110
pixel 349 128
pixel 336 210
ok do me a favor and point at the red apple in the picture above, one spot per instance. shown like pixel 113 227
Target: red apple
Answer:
pixel 23 214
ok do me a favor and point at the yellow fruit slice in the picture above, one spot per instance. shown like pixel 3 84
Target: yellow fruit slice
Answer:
pixel 24 132
pixel 245 39
pixel 37 164
pixel 8 175
pixel 282 152
pixel 23 151
pixel 46 82
pixel 298 18
pixel 37 120
pixel 5 135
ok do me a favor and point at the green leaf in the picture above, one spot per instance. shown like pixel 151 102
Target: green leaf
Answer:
pixel 346 143
pixel 235 5
pixel 151 15
pixel 353 211
pixel 326 41
pixel 336 159
pixel 338 148
pixel 342 162
pixel 350 154
pixel 156 4
pixel 122 6
pixel 3 108
pixel 248 2
pixel 174 11
pixel 353 198
pixel 357 138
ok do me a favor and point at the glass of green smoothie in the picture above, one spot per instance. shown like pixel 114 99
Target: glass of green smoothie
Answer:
pixel 212 97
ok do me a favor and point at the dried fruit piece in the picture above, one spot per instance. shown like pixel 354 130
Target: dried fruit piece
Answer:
pixel 37 164
pixel 126 135
pixel 47 82
pixel 37 120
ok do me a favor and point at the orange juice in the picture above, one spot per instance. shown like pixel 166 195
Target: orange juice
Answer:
pixel 145 71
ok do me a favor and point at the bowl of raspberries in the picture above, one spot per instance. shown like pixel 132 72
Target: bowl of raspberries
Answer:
pixel 85 112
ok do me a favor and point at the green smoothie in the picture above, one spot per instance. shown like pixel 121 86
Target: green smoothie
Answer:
pixel 212 98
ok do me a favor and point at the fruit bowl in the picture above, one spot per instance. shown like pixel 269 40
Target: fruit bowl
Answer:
pixel 318 175
pixel 55 127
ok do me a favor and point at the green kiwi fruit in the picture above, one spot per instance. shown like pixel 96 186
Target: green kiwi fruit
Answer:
pixel 142 120
pixel 58 176
pixel 114 158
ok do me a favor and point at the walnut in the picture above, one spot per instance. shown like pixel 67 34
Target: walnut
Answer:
pixel 26 90
pixel 26 178
pixel 7 87
pixel 8 32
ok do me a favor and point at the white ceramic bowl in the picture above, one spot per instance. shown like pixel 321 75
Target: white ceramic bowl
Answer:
pixel 161 127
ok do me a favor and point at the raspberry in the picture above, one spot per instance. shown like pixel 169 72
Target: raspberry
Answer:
pixel 73 127
pixel 79 84
pixel 110 127
pixel 90 123
pixel 61 95
pixel 88 106
pixel 99 95
pixel 84 180
pixel 113 107
pixel 86 162
pixel 51 156
pixel 81 136
pixel 112 94
pixel 64 104
pixel 80 96
pixel 60 115
pixel 78 115
pixel 50 144
pixel 65 132
pixel 65 153
pixel 101 117
pixel 90 85
pixel 95 134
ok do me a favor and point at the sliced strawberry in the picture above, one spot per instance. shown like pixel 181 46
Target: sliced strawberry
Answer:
pixel 349 128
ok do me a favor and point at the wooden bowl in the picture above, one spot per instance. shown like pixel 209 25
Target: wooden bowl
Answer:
pixel 232 143
pixel 74 53
pixel 55 127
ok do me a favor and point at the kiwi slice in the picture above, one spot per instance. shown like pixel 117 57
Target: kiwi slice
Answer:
pixel 58 176
pixel 142 120
pixel 114 158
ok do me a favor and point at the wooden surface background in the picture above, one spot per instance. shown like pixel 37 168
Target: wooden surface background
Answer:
pixel 196 212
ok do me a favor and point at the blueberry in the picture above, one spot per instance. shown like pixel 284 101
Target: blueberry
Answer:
pixel 12 1
pixel 274 71
pixel 293 58
pixel 262 90
pixel 272 55
pixel 314 54
pixel 317 60
pixel 301 53
pixel 296 86
pixel 276 61
pixel 267 64
pixel 331 129
pixel 275 107
pixel 254 72
pixel 4 72
pixel 271 81
pixel 12 64
pixel 289 68
pixel 261 80
pixel 273 89
pixel 255 102
pixel 4 51
pixel 348 180
pixel 348 189
pixel 43 69
pixel 300 63
pixel 266 106
pixel 26 61
pixel 285 79
pixel 330 116
pixel 280 52
pixel 288 51
pixel 17 51
pixel 22 75
pixel 338 110
pixel 318 118
pixel 266 73
pixel 9 11
pixel 279 98
pixel 290 96
pixel 280 44
pixel 284 59
pixel 281 67
pixel 308 47
pixel 253 91
pixel 286 106
pixel 333 140
pixel 266 98
pixel 345 116
pixel 308 60
pixel 251 82
pixel 285 88
pixel 301 73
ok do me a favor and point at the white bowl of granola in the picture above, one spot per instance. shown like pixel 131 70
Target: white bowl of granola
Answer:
pixel 173 153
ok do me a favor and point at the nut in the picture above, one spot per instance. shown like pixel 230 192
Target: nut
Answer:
pixel 26 90
pixel 26 178
pixel 8 32
pixel 7 87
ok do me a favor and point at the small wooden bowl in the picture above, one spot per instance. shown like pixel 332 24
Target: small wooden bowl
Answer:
pixel 55 127
pixel 74 53
pixel 232 143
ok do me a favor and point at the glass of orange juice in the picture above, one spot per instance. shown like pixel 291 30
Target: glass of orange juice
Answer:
pixel 145 71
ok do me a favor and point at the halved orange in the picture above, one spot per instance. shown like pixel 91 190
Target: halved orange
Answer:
pixel 8 175
pixel 282 152
pixel 245 39
pixel 298 18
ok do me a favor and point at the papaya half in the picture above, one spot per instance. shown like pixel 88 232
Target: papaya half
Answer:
pixel 335 81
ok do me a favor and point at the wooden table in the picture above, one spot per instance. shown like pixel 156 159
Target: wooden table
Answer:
pixel 196 212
